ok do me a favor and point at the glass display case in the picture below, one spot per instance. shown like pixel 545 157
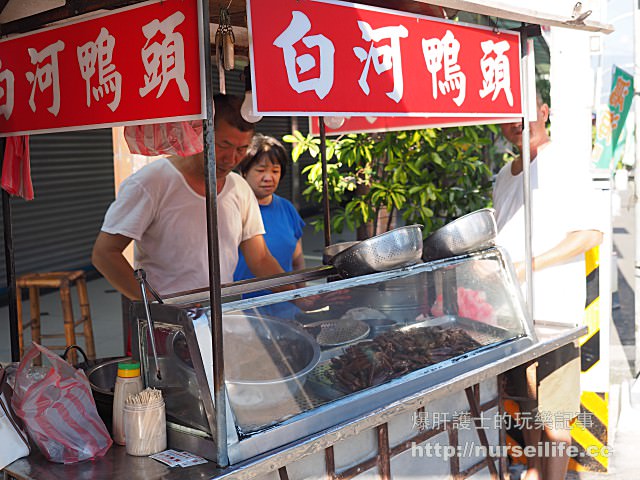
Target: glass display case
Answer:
pixel 300 362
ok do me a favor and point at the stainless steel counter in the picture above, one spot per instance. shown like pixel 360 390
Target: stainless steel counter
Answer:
pixel 117 464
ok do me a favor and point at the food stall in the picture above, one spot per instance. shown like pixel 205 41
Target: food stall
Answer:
pixel 412 359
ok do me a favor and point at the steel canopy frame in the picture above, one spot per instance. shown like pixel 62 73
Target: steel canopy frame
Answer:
pixel 10 264
pixel 493 8
pixel 211 194
pixel 526 175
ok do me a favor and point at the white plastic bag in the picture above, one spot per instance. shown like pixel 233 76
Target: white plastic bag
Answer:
pixel 14 441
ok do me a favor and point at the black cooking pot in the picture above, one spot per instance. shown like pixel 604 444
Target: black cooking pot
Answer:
pixel 102 373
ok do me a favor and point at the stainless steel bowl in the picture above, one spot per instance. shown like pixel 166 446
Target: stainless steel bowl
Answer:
pixel 396 248
pixel 267 360
pixel 180 391
pixel 102 375
pixel 470 233
pixel 331 251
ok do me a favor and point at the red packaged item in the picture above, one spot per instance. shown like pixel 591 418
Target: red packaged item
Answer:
pixel 471 304
pixel 171 138
pixel 16 168
pixel 58 410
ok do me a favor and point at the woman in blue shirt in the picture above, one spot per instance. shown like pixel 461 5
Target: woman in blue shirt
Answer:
pixel 264 166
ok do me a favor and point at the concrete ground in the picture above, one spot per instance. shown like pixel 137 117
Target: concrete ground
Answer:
pixel 624 393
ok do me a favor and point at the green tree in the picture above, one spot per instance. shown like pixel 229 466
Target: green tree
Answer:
pixel 427 176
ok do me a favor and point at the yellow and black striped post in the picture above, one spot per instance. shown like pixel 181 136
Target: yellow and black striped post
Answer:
pixel 590 431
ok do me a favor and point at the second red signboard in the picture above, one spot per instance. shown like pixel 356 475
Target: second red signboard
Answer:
pixel 327 57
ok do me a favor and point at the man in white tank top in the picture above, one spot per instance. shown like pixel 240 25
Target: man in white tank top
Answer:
pixel 563 229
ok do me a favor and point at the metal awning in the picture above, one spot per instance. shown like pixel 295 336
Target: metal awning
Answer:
pixel 573 18
pixel 14 14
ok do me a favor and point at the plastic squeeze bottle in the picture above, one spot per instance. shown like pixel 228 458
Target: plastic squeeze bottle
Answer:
pixel 128 382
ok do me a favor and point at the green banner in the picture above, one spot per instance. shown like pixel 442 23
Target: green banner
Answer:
pixel 611 122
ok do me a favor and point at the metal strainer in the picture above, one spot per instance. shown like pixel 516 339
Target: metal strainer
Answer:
pixel 470 233
pixel 339 332
pixel 396 248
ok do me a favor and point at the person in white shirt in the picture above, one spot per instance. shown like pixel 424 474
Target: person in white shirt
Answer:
pixel 161 208
pixel 564 227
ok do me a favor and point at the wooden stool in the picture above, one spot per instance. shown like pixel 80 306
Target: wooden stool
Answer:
pixel 62 281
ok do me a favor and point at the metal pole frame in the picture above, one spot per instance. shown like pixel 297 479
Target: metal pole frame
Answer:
pixel 526 170
pixel 325 183
pixel 10 264
pixel 219 393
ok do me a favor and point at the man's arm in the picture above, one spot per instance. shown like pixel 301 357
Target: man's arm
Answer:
pixel 260 261
pixel 107 257
pixel 297 262
pixel 298 257
pixel 575 243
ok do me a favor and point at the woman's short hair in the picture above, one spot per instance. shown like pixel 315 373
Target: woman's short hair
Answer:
pixel 263 146
pixel 227 108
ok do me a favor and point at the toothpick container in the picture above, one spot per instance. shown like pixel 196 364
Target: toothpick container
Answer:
pixel 145 428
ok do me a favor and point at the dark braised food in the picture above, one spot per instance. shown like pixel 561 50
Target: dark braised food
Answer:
pixel 393 354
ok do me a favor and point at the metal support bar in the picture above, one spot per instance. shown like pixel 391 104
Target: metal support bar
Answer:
pixel 295 170
pixel 530 30
pixel 3 4
pixel 526 175
pixel 200 296
pixel 220 401
pixel 325 183
pixel 502 433
pixel 482 435
pixel 10 265
pixel 272 281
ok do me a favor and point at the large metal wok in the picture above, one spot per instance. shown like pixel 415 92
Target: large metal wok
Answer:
pixel 396 248
pixel 470 233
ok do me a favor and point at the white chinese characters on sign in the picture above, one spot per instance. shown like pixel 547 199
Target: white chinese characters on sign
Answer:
pixel 495 70
pixel 442 54
pixel 46 74
pixel 6 92
pixel 164 61
pixel 384 58
pixel 299 64
pixel 100 52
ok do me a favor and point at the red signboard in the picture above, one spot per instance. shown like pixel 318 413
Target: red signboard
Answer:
pixel 324 57
pixel 394 124
pixel 141 64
